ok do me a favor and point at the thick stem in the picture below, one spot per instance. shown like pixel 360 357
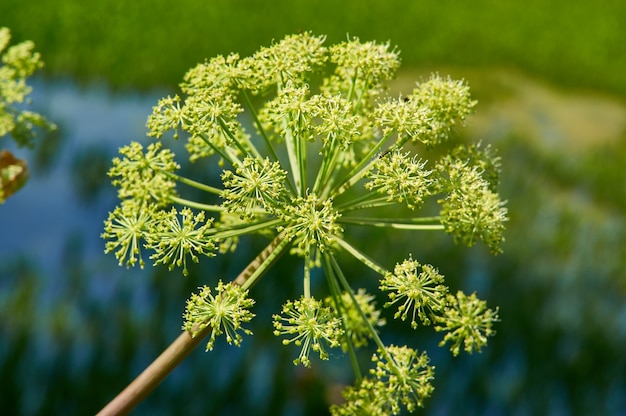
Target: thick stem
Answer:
pixel 156 372
pixel 153 375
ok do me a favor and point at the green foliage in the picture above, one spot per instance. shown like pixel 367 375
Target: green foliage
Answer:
pixel 150 43
pixel 301 179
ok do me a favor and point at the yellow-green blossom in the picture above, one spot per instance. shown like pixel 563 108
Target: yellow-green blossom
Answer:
pixel 468 323
pixel 311 324
pixel 177 235
pixel 418 289
pixel 223 311
pixel 126 228
pixel 402 178
pixel 145 176
pixel 256 187
pixel 406 375
pixel 370 397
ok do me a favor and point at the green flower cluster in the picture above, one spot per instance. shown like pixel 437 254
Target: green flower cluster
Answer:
pixel 311 323
pixel 421 288
pixel 401 377
pixel 223 312
pixel 309 144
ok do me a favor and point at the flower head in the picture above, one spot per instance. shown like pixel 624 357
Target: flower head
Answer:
pixel 369 61
pixel 145 176
pixel 174 238
pixel 337 125
pixel 402 178
pixel 18 63
pixel 428 115
pixel 446 102
pixel 313 326
pixel 419 290
pixel 125 229
pixel 293 59
pixel 467 321
pixel 288 114
pixel 406 375
pixel 224 312
pixel 256 187
pixel 166 115
pixel 401 377
pixel 311 223
pixel 223 72
pixel 370 397
pixel 471 210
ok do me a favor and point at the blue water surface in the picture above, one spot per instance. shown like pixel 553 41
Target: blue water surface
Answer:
pixel 36 219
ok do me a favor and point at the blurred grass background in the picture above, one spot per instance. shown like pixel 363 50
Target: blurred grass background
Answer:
pixel 550 77
pixel 143 44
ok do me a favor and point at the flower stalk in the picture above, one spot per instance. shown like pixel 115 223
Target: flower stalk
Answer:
pixel 189 339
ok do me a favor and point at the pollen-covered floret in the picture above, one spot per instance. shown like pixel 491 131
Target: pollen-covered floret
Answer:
pixel 294 58
pixel 406 375
pixel 312 325
pixel 370 61
pixel 446 103
pixel 18 63
pixel 400 116
pixel 223 311
pixel 288 115
pixel 212 112
pixel 178 235
pixel 126 228
pixel 311 223
pixel 418 289
pixel 468 323
pixel 370 397
pixel 484 158
pixel 336 122
pixel 145 176
pixel 224 72
pixel 471 210
pixel 401 377
pixel 402 178
pixel 257 186
pixel 166 115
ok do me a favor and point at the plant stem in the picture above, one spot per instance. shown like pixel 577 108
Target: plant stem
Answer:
pixel 169 359
pixel 153 375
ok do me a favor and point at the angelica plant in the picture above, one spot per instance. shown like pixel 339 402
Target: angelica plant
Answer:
pixel 304 161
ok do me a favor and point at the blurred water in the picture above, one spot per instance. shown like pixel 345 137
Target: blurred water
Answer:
pixel 94 122
pixel 56 283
